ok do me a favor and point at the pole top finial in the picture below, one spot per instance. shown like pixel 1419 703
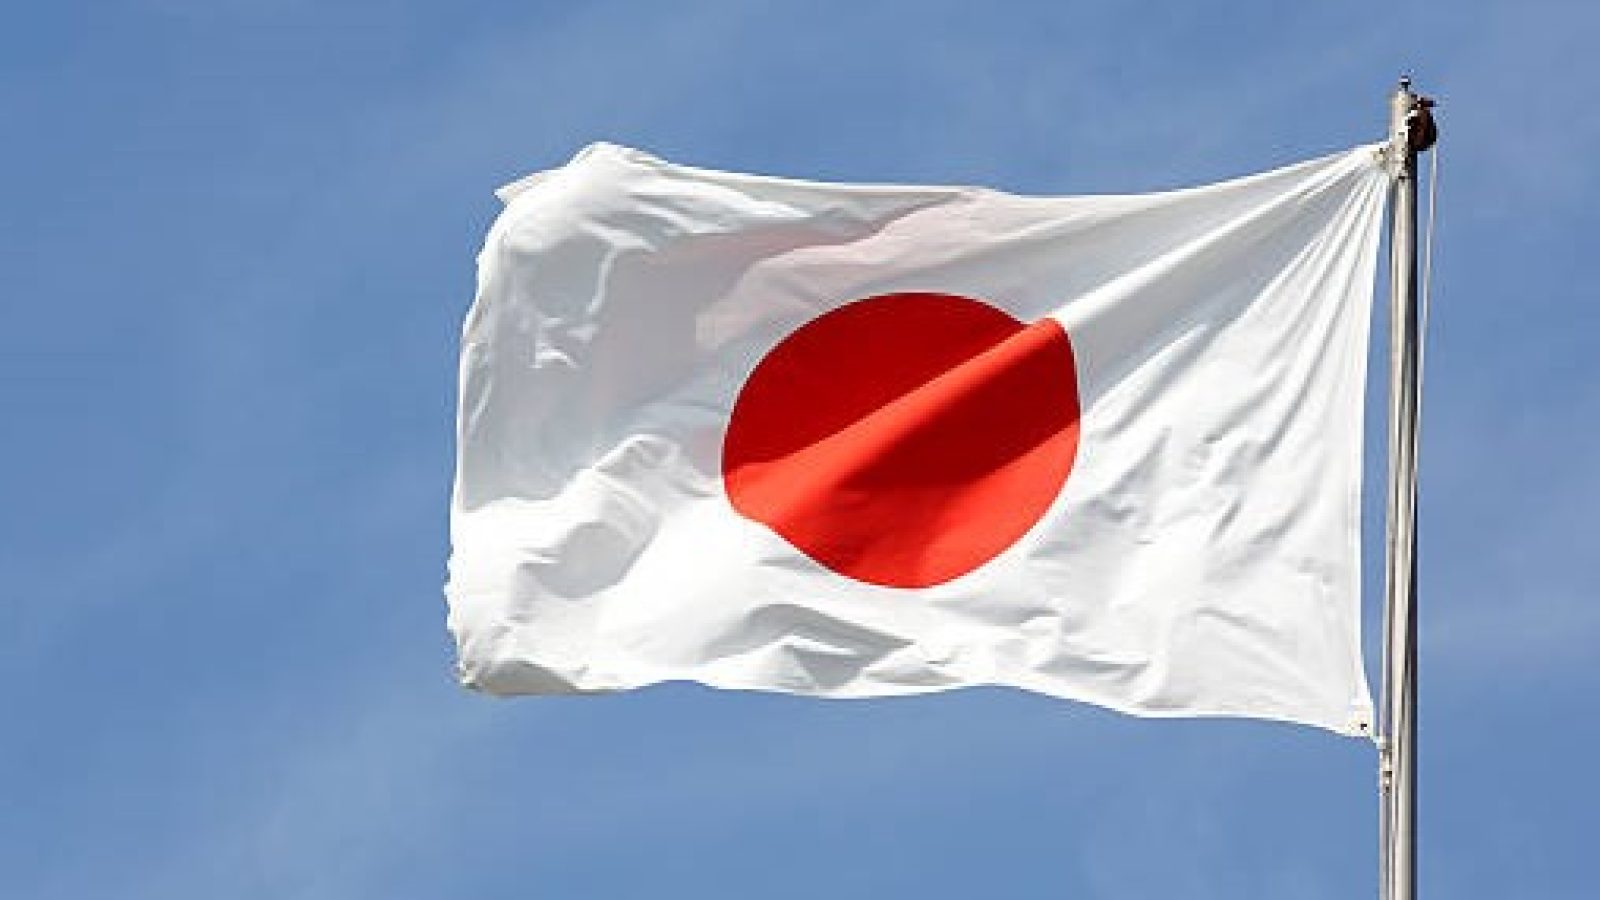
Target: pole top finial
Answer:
pixel 1411 115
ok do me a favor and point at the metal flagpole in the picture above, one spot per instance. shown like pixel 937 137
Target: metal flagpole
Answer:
pixel 1411 130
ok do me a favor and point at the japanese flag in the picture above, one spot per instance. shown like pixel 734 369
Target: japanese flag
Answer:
pixel 861 440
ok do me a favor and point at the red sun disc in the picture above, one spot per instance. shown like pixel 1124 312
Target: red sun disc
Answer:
pixel 905 439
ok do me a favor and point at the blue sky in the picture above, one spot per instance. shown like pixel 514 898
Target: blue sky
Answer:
pixel 236 248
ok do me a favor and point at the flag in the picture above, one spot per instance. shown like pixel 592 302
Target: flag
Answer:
pixel 868 440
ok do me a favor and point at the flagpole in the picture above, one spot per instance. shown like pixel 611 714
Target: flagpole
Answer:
pixel 1411 130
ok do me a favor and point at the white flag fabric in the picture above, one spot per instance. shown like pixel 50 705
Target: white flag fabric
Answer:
pixel 863 440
